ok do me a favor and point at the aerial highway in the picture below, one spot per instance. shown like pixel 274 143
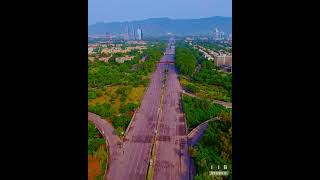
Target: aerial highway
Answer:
pixel 171 157
pixel 158 125
pixel 136 149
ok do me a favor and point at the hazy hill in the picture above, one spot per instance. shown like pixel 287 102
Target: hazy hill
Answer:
pixel 162 26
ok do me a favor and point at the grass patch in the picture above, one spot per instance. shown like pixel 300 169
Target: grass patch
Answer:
pixel 117 104
pixel 211 92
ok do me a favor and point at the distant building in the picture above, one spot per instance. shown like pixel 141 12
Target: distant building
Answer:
pixel 216 34
pixel 230 37
pixel 126 34
pixel 90 50
pixel 123 59
pixel 104 59
pixel 132 34
pixel 108 38
pixel 137 42
pixel 204 38
pixel 189 38
pixel 223 60
pixel 139 32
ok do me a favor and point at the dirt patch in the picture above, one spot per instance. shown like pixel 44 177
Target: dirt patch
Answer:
pixel 134 96
pixel 93 167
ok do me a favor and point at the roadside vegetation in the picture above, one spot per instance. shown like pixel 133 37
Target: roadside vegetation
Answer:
pixel 97 153
pixel 115 90
pixel 200 76
pixel 199 110
pixel 215 147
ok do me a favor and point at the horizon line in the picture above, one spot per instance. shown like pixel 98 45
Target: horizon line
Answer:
pixel 157 18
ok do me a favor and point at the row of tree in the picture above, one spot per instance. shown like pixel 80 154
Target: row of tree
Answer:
pixel 199 110
pixel 215 146
pixel 185 60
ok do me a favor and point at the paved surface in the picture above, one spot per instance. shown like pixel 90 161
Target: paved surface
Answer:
pixel 107 130
pixel 195 135
pixel 171 151
pixel 134 159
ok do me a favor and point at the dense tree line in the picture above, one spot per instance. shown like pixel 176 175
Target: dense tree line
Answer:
pixel 199 110
pixel 215 146
pixel 187 59
pixel 209 74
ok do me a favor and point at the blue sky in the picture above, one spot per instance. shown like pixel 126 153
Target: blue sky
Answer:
pixel 126 10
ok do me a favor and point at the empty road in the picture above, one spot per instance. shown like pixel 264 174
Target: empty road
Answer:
pixel 171 151
pixel 158 123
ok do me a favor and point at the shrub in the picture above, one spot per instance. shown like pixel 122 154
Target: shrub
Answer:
pixel 99 93
pixel 192 88
pixel 92 95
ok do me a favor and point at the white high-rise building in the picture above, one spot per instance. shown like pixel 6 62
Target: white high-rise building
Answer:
pixel 139 32
pixel 216 34
pixel 221 35
pixel 230 37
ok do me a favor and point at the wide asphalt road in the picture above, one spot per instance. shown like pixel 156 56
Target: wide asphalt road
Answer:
pixel 171 150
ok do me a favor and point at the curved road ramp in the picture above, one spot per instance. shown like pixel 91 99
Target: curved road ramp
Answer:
pixel 106 129
pixel 195 135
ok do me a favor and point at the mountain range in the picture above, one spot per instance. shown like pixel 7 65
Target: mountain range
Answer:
pixel 154 27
